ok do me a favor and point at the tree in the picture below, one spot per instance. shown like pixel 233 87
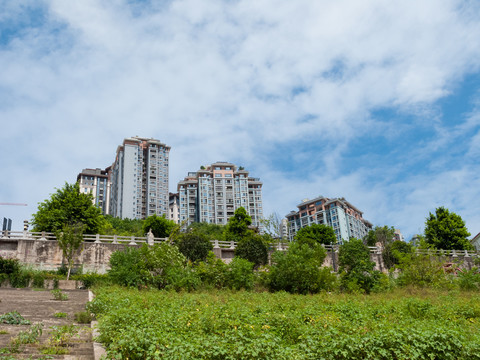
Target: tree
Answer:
pixel 446 230
pixel 253 248
pixel 394 251
pixel 319 233
pixel 383 235
pixel 161 227
pixel 194 246
pixel 272 225
pixel 124 227
pixel 298 270
pixel 70 240
pixel 356 268
pixel 238 224
pixel 212 231
pixel 67 206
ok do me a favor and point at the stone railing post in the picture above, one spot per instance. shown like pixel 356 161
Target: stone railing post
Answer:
pixel 5 234
pixel 232 244
pixel 279 246
pixel 132 241
pixel 454 253
pixel 97 239
pixel 115 241
pixel 215 244
pixel 43 236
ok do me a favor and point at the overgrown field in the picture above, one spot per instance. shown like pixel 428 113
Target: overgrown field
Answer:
pixel 406 324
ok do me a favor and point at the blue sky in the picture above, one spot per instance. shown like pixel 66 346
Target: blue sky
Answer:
pixel 374 101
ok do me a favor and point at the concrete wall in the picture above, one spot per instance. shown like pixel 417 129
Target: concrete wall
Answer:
pixel 46 255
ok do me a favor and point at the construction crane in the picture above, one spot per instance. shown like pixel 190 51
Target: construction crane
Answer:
pixel 13 204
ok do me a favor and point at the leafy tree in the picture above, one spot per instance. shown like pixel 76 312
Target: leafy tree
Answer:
pixel 240 274
pixel 272 225
pixel 212 231
pixel 298 270
pixel 161 227
pixel 70 240
pixel 446 230
pixel 123 227
pixel 194 245
pixel 356 268
pixel 318 233
pixel 238 224
pixel 68 206
pixel 383 235
pixel 393 252
pixel 253 248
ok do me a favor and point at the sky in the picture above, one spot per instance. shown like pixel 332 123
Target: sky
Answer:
pixel 374 101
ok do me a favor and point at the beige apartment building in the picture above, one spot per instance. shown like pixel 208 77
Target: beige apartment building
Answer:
pixel 214 192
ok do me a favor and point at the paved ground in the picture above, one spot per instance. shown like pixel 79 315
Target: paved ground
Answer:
pixel 40 306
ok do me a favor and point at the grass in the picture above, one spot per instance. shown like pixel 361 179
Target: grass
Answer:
pixel 403 324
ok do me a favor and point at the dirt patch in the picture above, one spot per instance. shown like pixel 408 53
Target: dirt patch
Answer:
pixel 41 307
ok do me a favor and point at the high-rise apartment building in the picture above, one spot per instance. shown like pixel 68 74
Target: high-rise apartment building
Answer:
pixel 345 219
pixel 97 183
pixel 140 179
pixel 213 193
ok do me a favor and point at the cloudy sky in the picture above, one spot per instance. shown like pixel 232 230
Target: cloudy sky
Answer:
pixel 374 101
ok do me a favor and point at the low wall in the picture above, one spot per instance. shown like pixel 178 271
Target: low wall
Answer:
pixel 95 257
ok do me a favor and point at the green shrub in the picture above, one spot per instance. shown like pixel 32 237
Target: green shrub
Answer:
pixel 422 271
pixel 240 274
pixel 356 268
pixel 29 336
pixel 194 246
pixel 9 266
pixel 156 266
pixel 298 270
pixel 60 315
pixel 393 252
pixel 469 279
pixel 59 295
pixel 252 247
pixel 90 280
pixel 212 271
pixel 83 317
pixel 127 268
pixel 13 318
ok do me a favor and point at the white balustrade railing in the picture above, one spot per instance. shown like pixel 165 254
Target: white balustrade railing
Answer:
pixel 131 240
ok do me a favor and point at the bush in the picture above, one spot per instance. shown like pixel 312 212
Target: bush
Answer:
pixel 157 266
pixel 240 274
pixel 90 280
pixel 252 248
pixel 127 268
pixel 356 268
pixel 393 252
pixel 194 246
pixel 469 280
pixel 9 266
pixel 212 271
pixel 298 270
pixel 83 317
pixel 421 271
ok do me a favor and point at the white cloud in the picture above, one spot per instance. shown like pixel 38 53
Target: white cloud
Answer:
pixel 243 82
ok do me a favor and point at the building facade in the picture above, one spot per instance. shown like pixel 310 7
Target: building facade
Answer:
pixel 96 182
pixel 213 193
pixel 345 219
pixel 140 179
